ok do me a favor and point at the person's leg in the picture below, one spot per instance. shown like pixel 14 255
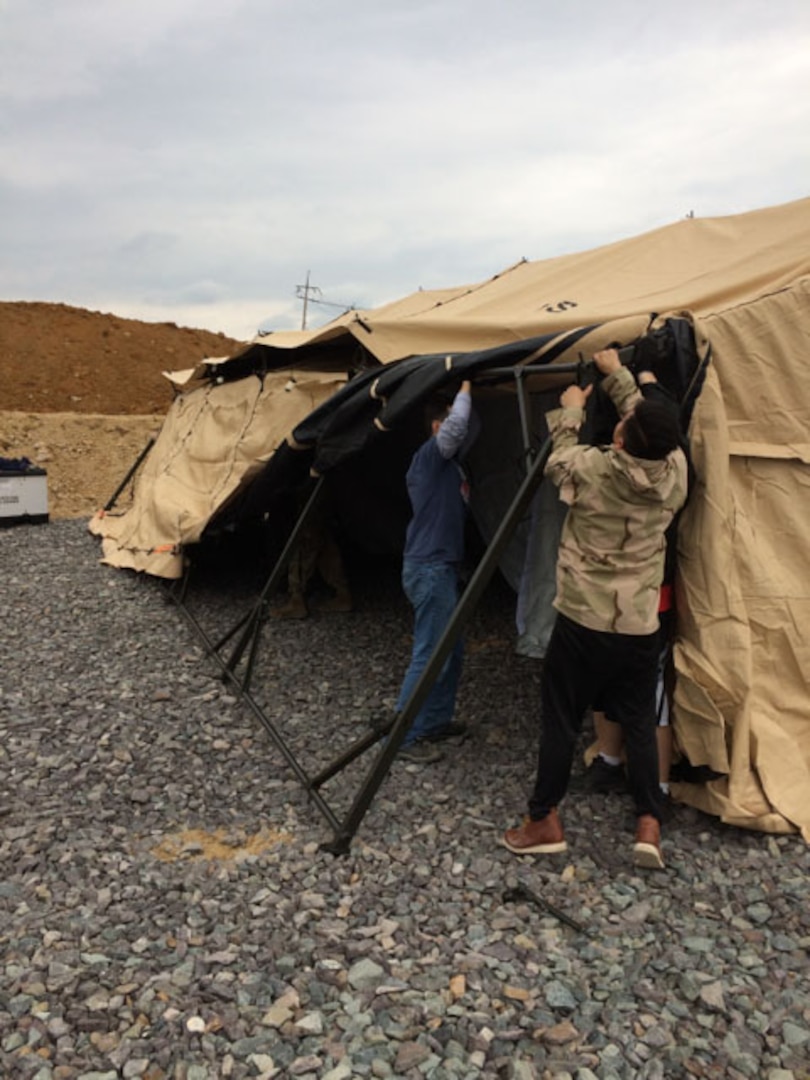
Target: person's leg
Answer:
pixel 663 735
pixel 663 697
pixel 333 572
pixel 295 605
pixel 432 589
pixel 605 775
pixel 565 694
pixel 630 698
pixel 608 737
pixel 440 706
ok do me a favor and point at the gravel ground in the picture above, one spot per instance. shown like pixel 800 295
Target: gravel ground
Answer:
pixel 166 909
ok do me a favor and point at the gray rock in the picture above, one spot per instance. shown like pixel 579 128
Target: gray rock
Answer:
pixel 161 863
pixel 795 1034
pixel 365 974
pixel 558 996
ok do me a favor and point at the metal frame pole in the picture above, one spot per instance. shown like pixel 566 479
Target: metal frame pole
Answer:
pixel 113 499
pixel 256 616
pixel 393 733
pixel 467 602
pixel 523 409
pixel 265 721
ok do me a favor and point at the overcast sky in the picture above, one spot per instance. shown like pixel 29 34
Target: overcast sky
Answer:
pixel 192 160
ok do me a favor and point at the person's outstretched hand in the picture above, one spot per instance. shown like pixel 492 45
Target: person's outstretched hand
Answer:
pixel 574 397
pixel 607 360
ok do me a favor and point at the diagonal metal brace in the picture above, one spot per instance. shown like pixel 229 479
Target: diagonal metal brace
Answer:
pixel 466 605
pixel 253 621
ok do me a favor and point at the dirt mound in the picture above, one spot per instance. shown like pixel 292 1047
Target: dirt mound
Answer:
pixel 56 358
pixel 82 392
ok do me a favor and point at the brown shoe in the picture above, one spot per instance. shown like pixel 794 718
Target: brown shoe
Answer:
pixel 544 837
pixel 647 848
pixel 295 607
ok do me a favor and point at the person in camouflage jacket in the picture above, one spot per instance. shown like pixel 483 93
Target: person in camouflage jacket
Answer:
pixel 610 565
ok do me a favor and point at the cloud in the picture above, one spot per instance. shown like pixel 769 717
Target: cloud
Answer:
pixel 206 155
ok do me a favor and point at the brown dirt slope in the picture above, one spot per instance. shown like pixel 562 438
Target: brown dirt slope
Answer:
pixel 81 392
pixel 55 358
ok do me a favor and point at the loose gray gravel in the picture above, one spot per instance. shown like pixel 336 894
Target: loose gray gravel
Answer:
pixel 166 909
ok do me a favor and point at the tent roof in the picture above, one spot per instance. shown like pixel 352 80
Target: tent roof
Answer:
pixel 703 265
pixel 742 285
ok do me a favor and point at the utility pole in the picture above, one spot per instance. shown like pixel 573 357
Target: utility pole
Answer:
pixel 311 293
pixel 305 292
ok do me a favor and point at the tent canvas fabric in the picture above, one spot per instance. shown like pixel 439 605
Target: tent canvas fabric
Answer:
pixel 215 437
pixel 742 282
pixel 701 265
pixel 742 654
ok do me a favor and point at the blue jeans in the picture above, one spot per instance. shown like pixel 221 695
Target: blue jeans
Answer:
pixel 432 589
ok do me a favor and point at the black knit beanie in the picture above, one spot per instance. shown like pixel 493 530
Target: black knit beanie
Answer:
pixel 651 431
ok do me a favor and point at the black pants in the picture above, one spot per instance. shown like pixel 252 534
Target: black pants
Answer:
pixel 619 670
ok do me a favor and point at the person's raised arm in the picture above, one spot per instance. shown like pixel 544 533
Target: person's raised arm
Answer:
pixel 619 382
pixel 453 430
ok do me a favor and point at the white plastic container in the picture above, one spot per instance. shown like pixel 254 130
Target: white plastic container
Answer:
pixel 23 496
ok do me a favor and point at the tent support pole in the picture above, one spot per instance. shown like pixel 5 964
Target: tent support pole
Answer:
pixel 229 676
pixel 257 616
pixel 226 637
pixel 523 408
pixel 185 581
pixel 464 609
pixel 392 733
pixel 347 757
pixel 177 588
pixel 113 499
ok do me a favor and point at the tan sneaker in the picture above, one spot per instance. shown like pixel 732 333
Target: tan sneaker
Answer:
pixel 544 837
pixel 647 848
pixel 420 753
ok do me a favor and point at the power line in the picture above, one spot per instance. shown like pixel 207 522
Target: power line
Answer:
pixel 311 294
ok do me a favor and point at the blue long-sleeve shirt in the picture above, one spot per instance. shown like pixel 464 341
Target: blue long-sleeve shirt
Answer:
pixel 438 490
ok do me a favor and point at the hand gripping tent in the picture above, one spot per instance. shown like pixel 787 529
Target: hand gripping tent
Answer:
pixel 729 298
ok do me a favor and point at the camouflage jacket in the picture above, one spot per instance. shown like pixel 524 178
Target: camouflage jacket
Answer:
pixel 611 556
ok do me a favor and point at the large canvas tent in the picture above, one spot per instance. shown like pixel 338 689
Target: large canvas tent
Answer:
pixel 742 284
pixel 217 435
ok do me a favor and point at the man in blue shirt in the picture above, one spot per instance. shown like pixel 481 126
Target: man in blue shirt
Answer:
pixel 434 550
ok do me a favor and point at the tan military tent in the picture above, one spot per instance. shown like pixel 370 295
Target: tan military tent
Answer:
pixel 699 265
pixel 216 436
pixel 742 702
